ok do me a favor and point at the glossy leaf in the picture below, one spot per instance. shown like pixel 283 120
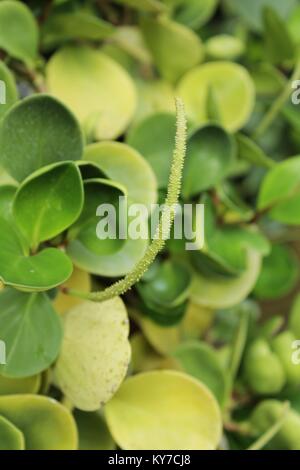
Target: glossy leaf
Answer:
pixel 109 98
pixel 86 230
pixel 62 27
pixel 200 361
pixel 248 150
pixel 43 271
pixel 162 36
pixel 154 138
pixel 279 44
pixel 11 437
pixel 111 265
pixel 19 31
pixel 7 194
pixel 127 167
pixel 251 12
pixel 10 386
pixel 169 286
pixel 93 431
pixel 36 132
pixel 280 192
pixel 138 420
pixel 194 13
pixel 233 88
pixel 210 155
pixel 279 274
pixel 154 96
pixel 95 353
pixel 48 202
pixel 45 424
pixel 225 293
pixel 224 47
pixel 31 331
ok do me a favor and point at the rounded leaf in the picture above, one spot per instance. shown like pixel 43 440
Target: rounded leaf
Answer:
pixel 126 166
pixel 48 202
pixel 95 353
pixel 93 431
pixel 45 423
pixel 233 91
pixel 210 155
pixel 10 386
pixel 36 132
pixel 225 293
pixel 18 31
pixel 11 437
pixel 94 87
pixel 201 361
pixel 154 138
pixel 32 333
pixel 162 36
pixel 164 410
pixel 280 192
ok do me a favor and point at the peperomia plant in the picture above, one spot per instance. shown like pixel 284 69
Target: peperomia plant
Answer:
pixel 149 224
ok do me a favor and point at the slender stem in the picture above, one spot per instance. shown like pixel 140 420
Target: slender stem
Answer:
pixel 278 104
pixel 263 440
pixel 165 223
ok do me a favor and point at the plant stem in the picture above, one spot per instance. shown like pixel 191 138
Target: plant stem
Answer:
pixel 263 440
pixel 165 223
pixel 278 104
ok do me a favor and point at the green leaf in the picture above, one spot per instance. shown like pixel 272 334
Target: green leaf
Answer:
pixel 226 293
pixel 146 413
pixel 95 353
pixel 110 97
pixel 154 138
pixel 11 437
pixel 85 230
pixel 10 386
pixel 164 296
pixel 62 27
pixel 199 360
pixel 93 431
pixel 280 192
pixel 7 194
pixel 9 95
pixel 127 167
pixel 154 96
pixel 111 265
pixel 210 155
pixel 252 12
pixel 248 150
pixel 262 369
pixel 169 286
pixel 266 414
pixel 18 31
pixel 45 270
pixel 279 274
pixel 36 132
pixel 224 47
pixel 234 93
pixel 194 13
pixel 162 36
pixel 48 202
pixel 278 42
pixel 31 331
pixel 45 423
